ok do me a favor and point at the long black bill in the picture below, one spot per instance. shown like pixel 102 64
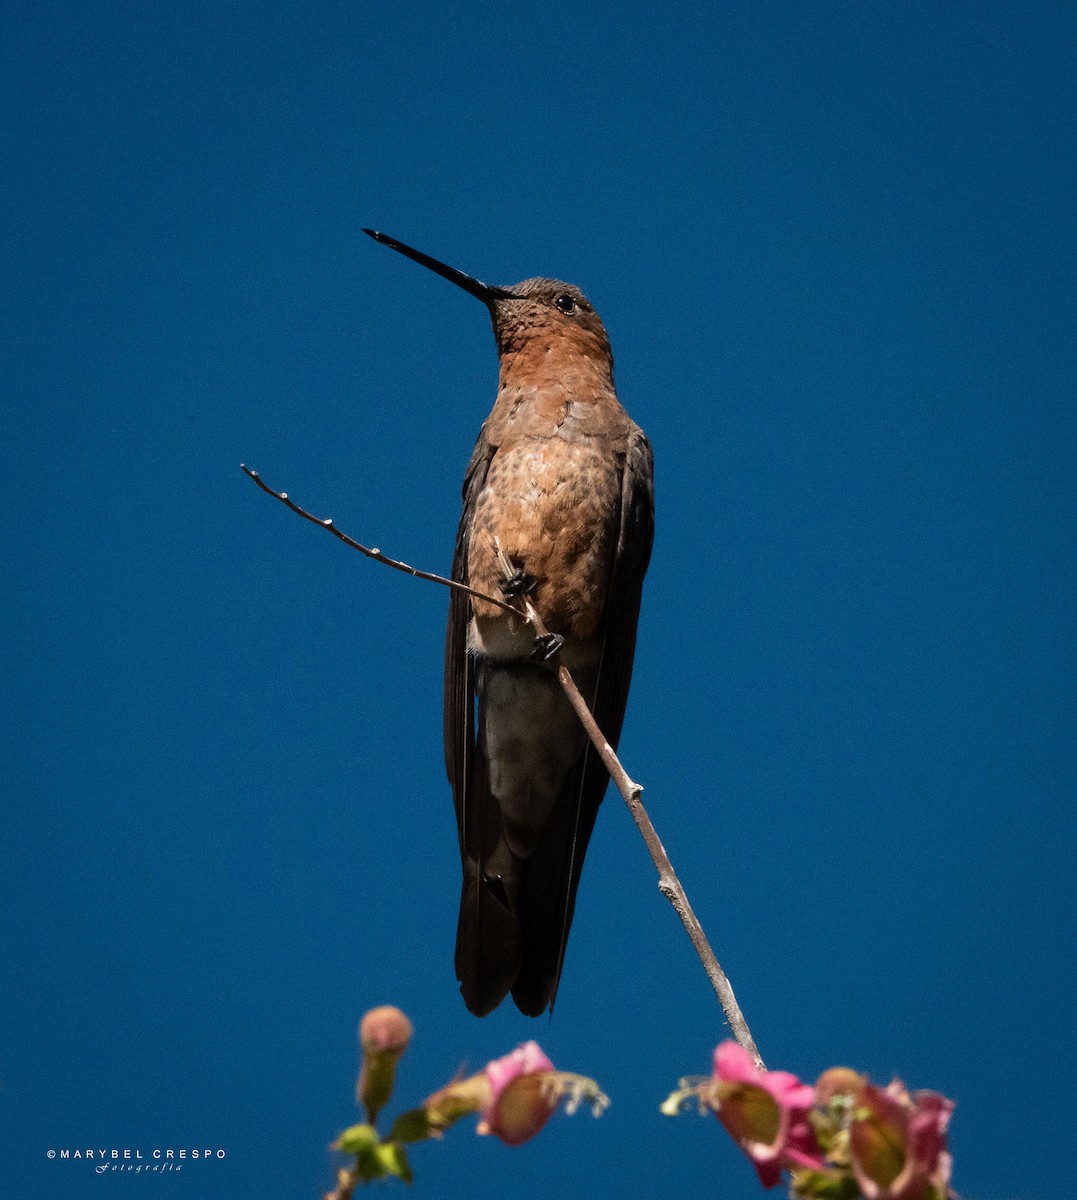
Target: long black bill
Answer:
pixel 484 291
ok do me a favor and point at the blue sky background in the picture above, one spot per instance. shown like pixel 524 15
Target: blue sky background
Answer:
pixel 834 245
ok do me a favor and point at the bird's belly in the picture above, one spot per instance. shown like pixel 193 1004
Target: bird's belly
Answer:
pixel 552 509
pixel 530 739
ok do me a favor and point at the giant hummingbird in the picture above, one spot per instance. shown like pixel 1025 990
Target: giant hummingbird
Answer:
pixel 558 505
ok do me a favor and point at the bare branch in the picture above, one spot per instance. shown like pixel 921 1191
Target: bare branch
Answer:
pixel 326 523
pixel 668 883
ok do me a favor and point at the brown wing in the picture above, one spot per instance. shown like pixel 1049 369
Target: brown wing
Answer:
pixel 626 587
pixel 488 935
pixel 548 895
pixel 459 666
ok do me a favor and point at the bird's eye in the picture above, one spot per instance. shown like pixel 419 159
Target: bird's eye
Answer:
pixel 566 304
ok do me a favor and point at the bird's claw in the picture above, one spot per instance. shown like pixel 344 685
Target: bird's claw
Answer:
pixel 547 646
pixel 519 583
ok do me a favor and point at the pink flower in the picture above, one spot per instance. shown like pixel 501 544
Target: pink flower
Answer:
pixel 897 1144
pixel 523 1095
pixel 514 1096
pixel 766 1113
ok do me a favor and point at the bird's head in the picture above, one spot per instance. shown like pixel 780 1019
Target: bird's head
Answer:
pixel 544 315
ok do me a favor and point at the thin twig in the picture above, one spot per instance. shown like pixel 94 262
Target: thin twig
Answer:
pixel 326 523
pixel 668 883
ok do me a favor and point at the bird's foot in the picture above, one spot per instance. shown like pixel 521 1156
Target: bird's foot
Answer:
pixel 547 647
pixel 519 583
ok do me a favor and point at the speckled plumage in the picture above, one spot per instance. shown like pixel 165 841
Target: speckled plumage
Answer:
pixel 545 505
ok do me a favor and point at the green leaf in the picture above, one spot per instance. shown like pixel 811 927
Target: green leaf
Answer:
pixel 413 1126
pixel 393 1159
pixel 357 1139
pixel 367 1165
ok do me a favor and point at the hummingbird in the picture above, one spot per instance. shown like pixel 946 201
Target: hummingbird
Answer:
pixel 558 505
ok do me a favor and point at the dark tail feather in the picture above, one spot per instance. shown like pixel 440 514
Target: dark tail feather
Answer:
pixel 487 944
pixel 488 931
pixel 514 925
pixel 547 897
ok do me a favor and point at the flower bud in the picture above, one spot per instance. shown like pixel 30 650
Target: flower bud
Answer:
pixel 384 1034
pixel 837 1081
pixel 384 1029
